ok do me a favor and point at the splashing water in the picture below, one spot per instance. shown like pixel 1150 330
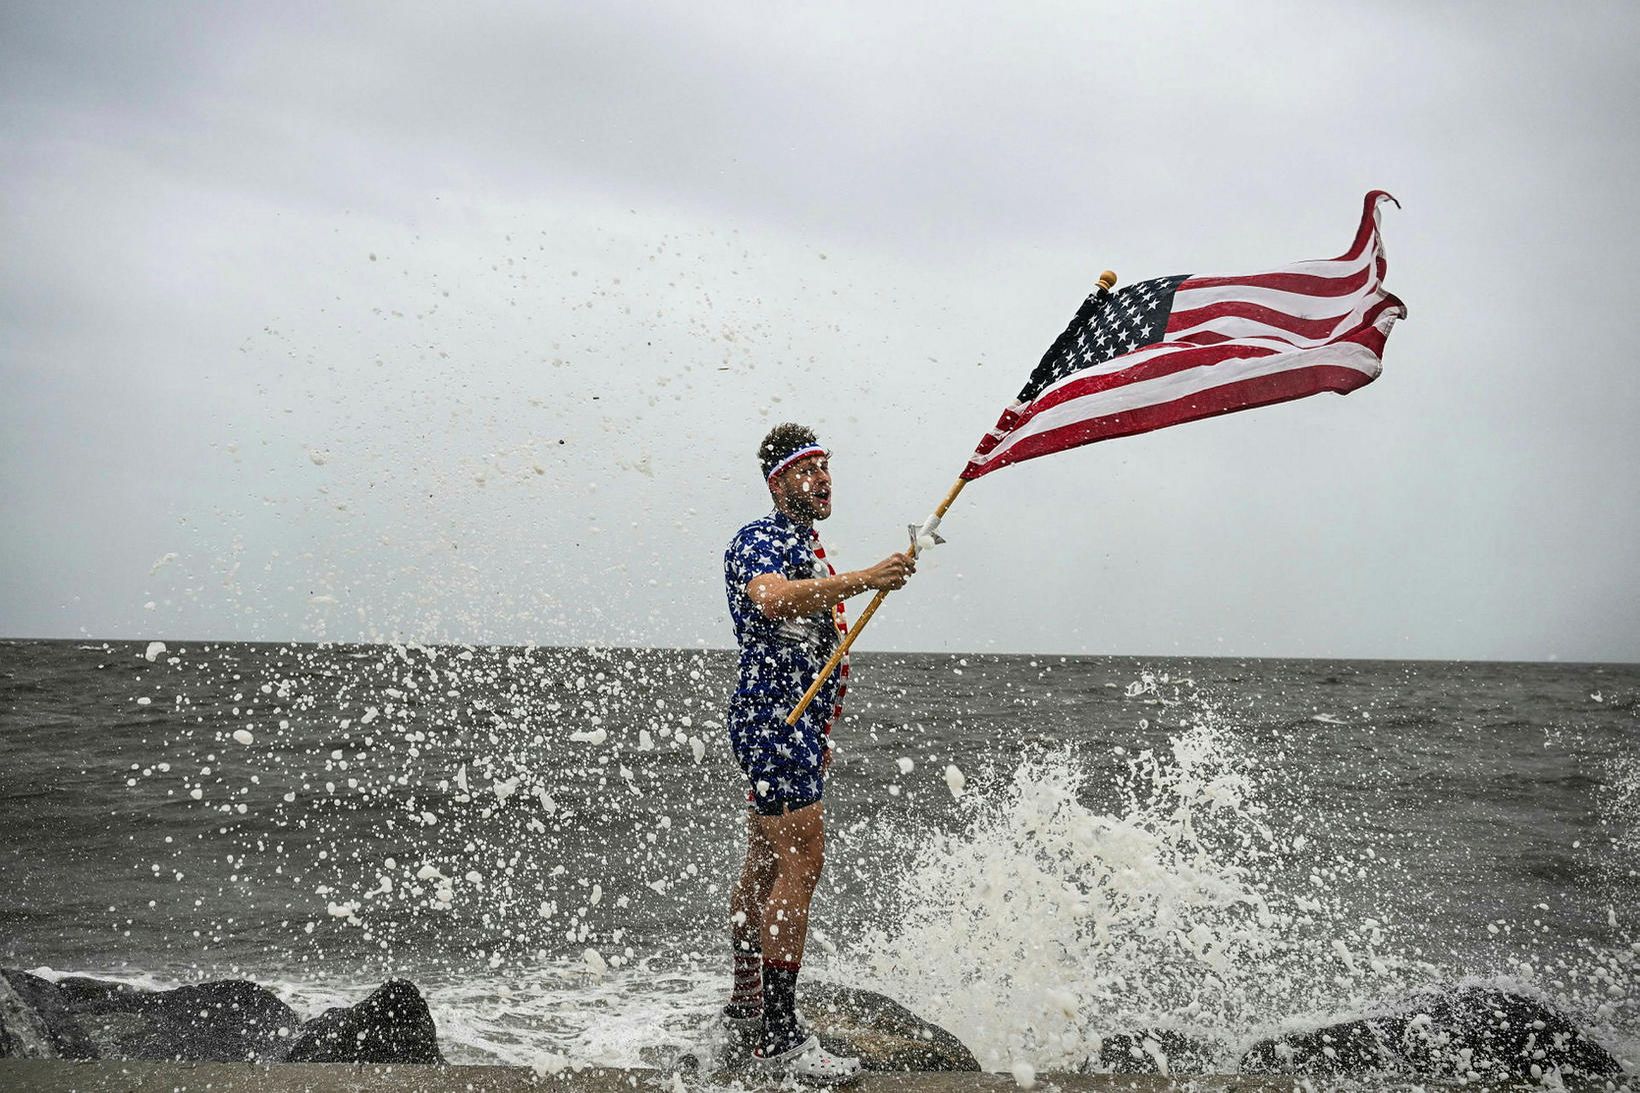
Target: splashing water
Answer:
pixel 1049 923
pixel 1623 803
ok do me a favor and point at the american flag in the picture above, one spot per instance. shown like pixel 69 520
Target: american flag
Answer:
pixel 1174 349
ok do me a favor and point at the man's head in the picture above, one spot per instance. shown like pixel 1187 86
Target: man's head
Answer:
pixel 798 473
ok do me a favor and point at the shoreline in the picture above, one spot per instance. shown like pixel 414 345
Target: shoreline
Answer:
pixel 63 1076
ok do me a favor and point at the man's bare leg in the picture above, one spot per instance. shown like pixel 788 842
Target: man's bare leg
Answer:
pixel 798 840
pixel 746 902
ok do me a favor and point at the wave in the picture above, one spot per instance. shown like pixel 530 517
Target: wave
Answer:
pixel 1180 900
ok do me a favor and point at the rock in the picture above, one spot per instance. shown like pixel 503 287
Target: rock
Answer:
pixel 1353 1047
pixel 1494 1033
pixel 227 1021
pixel 881 1032
pixel 23 1035
pixel 1153 1051
pixel 1466 1033
pixel 393 1025
pixel 42 998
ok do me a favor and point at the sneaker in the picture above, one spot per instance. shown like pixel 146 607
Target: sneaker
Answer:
pixel 809 1062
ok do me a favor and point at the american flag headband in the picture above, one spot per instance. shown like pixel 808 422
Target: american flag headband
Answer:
pixel 801 453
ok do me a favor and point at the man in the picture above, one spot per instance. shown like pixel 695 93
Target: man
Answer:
pixel 785 599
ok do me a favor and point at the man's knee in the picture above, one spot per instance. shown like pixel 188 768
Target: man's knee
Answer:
pixel 806 861
pixel 798 839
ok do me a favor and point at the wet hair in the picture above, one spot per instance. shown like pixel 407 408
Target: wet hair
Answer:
pixel 782 441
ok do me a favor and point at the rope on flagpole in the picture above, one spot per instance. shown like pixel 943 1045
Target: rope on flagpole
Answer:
pixel 1107 281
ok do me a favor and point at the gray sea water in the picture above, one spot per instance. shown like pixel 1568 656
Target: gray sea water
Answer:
pixel 542 839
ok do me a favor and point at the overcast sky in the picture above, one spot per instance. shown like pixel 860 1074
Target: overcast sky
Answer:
pixel 462 322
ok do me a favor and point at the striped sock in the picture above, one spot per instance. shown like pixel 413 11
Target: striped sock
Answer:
pixel 746 994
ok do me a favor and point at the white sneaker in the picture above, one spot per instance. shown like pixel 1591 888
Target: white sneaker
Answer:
pixel 809 1062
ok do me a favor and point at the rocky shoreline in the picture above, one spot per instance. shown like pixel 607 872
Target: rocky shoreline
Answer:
pixel 57 1076
pixel 1468 1034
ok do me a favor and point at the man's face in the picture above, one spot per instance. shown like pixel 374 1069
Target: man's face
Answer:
pixel 804 488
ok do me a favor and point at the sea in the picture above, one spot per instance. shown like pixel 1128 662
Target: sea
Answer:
pixel 1031 851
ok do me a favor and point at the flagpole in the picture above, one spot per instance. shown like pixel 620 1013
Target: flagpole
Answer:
pixel 1107 281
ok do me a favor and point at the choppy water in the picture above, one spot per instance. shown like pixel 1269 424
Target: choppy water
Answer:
pixel 543 838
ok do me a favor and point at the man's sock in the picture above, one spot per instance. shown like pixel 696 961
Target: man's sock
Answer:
pixel 779 1006
pixel 746 995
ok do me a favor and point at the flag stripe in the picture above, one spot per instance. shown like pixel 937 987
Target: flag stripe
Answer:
pixel 1166 361
pixel 1174 385
pixel 1190 296
pixel 1227 398
pixel 1248 327
pixel 1249 315
pixel 1307 284
pixel 1319 277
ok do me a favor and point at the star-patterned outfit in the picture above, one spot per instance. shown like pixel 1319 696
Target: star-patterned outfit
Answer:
pixel 778 660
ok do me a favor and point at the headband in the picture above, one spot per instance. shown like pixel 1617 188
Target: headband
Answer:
pixel 801 453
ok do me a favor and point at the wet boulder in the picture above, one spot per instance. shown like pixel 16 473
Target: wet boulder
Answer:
pixel 1151 1051
pixel 882 1033
pixel 1350 1047
pixel 34 1024
pixel 392 1025
pixel 230 1020
pixel 1492 1033
pixel 226 1021
pixel 24 1034
pixel 1467 1033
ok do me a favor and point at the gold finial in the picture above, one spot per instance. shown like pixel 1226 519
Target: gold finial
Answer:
pixel 1107 281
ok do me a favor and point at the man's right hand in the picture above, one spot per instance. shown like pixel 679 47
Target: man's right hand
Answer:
pixel 891 573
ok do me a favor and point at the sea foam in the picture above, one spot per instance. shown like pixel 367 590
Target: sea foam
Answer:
pixel 1047 923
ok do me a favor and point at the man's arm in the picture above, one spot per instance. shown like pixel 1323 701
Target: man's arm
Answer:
pixel 779 598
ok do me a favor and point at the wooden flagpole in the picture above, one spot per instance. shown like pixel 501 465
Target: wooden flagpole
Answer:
pixel 1107 281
